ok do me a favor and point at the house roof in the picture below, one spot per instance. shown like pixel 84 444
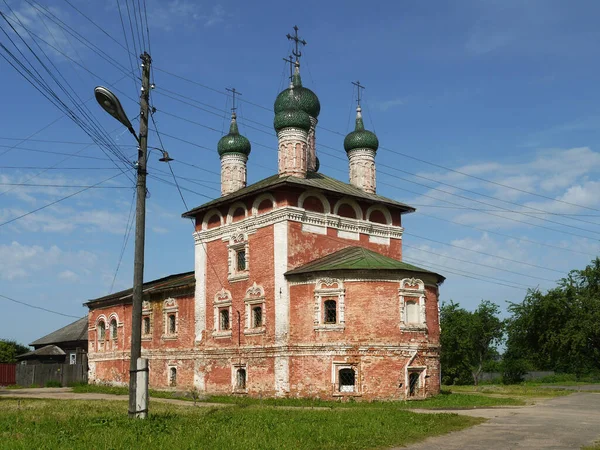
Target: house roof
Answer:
pixel 357 258
pixel 313 180
pixel 151 287
pixel 76 331
pixel 48 350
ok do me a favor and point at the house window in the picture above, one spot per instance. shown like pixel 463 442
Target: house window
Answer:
pixel 255 310
pixel 72 358
pixel 412 296
pixel 172 376
pixel 346 380
pixel 257 317
pixel 240 380
pixel 113 329
pixel 146 326
pixel 172 324
pixel 224 319
pixel 101 334
pixel 238 257
pixel 330 304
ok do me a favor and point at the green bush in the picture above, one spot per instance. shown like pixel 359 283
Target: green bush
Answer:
pixel 53 383
pixel 514 370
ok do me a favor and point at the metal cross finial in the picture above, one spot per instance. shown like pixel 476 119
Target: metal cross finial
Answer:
pixel 233 94
pixel 291 61
pixel 297 53
pixel 359 87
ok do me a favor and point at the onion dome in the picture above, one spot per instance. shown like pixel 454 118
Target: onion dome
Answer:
pixel 298 97
pixel 360 138
pixel 291 118
pixel 233 142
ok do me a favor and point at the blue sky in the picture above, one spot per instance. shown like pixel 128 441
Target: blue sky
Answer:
pixel 503 91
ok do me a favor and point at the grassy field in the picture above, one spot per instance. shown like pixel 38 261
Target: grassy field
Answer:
pixel 43 424
pixel 446 400
pixel 511 390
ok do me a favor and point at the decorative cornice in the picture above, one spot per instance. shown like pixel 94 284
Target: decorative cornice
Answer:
pixel 295 214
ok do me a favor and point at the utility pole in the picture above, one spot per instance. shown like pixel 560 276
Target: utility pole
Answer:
pixel 138 368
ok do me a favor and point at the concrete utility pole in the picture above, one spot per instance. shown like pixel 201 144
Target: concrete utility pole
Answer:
pixel 138 368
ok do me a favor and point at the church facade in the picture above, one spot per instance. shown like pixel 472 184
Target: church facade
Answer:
pixel 298 288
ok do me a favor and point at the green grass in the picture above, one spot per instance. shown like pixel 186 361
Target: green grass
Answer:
pixel 44 424
pixel 594 446
pixel 512 390
pixel 446 400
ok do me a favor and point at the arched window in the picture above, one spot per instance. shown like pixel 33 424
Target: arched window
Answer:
pixel 330 311
pixel 101 331
pixel 173 376
pixel 113 329
pixel 172 324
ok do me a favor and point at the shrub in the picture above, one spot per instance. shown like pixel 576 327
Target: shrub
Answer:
pixel 53 384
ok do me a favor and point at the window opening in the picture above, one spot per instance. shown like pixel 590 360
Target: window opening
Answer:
pixel 330 311
pixel 72 358
pixel 240 379
pixel 257 316
pixel 146 325
pixel 224 316
pixel 101 331
pixel 173 376
pixel 113 329
pixel 172 323
pixel 241 260
pixel 347 380
pixel 414 383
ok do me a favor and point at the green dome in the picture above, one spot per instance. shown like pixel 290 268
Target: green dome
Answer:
pixel 298 97
pixel 233 142
pixel 292 119
pixel 360 138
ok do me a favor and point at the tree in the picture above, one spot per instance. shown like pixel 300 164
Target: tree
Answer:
pixel 468 340
pixel 9 350
pixel 559 330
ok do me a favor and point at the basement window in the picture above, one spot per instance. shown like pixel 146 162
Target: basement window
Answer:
pixel 240 380
pixel 172 376
pixel 347 380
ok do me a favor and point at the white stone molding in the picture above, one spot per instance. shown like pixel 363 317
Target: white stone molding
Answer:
pixel 238 241
pixel 222 299
pixel 261 198
pixel 292 154
pixel 316 194
pixel 146 306
pixel 407 293
pixel 282 375
pixel 336 366
pixel 311 165
pixel 170 307
pixel 350 202
pixel 233 172
pixel 362 169
pixel 200 268
pixel 383 209
pixel 282 299
pixel 295 214
pixel 209 215
pixel 255 296
pixel 326 288
pixel 232 210
pixel 101 340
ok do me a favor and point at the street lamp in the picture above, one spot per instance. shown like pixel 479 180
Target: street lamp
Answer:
pixel 111 104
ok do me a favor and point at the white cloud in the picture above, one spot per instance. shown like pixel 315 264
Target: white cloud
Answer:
pixel 68 275
pixel 385 105
pixel 168 15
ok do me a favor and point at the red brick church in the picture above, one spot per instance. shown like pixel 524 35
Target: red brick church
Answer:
pixel 298 287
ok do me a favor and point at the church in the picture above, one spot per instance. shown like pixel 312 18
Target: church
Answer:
pixel 298 288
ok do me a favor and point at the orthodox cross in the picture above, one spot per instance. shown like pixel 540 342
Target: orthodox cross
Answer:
pixel 297 53
pixel 359 88
pixel 233 94
pixel 291 61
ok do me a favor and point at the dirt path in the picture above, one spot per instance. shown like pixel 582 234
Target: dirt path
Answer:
pixel 558 423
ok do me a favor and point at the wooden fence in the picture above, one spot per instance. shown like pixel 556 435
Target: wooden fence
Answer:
pixel 8 374
pixel 41 374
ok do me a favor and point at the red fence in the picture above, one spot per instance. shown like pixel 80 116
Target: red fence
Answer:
pixel 8 374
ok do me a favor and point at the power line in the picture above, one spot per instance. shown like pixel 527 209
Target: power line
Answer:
pixel 128 228
pixel 38 307
pixel 66 186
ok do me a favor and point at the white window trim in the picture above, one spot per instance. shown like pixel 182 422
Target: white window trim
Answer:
pixel 147 312
pixel 234 369
pixel 323 291
pixel 255 296
pixel 238 241
pixel 100 342
pixel 335 370
pixel 222 300
pixel 170 307
pixel 413 295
